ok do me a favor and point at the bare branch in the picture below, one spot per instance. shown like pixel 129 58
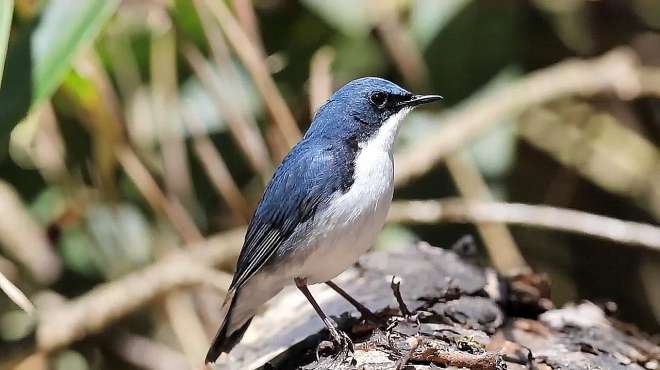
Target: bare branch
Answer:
pixel 617 71
pixel 173 210
pixel 24 240
pixel 15 294
pixel 395 284
pixel 106 303
pixel 455 210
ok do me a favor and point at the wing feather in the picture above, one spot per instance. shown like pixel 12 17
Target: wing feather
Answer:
pixel 302 184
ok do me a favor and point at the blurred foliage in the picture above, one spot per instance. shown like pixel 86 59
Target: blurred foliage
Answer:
pixel 83 83
pixel 6 11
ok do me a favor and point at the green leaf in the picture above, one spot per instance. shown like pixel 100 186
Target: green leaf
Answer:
pixel 62 32
pixel 40 57
pixel 6 11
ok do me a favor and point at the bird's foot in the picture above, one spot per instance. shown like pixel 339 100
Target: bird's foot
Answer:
pixel 341 343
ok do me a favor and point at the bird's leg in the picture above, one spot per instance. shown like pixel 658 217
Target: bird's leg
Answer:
pixel 338 338
pixel 364 311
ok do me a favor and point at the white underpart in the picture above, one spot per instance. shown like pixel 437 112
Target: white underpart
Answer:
pixel 349 226
pixel 341 233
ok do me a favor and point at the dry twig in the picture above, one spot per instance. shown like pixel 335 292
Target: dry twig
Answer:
pixel 400 45
pixel 617 71
pixel 106 303
pixel 481 361
pixel 597 146
pixel 15 294
pixel 403 361
pixel 456 210
pixel 24 240
pixel 150 190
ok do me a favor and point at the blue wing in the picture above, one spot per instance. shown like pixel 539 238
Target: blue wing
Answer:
pixel 302 185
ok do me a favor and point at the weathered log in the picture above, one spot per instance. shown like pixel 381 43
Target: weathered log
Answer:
pixel 463 316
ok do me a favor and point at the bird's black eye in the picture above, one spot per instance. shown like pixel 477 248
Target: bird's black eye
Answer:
pixel 378 98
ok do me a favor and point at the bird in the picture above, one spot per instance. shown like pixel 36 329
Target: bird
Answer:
pixel 323 207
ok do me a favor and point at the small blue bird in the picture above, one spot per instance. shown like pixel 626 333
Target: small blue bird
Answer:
pixel 323 207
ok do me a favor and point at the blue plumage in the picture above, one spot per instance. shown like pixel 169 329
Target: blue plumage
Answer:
pixel 305 181
pixel 317 167
pixel 310 183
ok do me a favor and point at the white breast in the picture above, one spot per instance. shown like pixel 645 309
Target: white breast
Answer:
pixel 348 227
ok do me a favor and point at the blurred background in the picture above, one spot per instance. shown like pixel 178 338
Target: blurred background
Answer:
pixel 136 137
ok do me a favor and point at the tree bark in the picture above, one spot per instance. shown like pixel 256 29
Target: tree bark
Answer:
pixel 463 316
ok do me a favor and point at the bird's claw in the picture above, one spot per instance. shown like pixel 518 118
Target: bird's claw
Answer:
pixel 341 342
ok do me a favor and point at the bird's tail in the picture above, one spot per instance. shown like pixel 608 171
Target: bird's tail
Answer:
pixel 226 337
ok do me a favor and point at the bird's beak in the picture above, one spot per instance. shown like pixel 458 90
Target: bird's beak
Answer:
pixel 420 99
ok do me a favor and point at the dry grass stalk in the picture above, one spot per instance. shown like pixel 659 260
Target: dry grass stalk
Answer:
pixel 256 66
pixel 242 127
pixel 247 17
pixel 502 249
pixel 164 97
pixel 217 171
pixel 156 199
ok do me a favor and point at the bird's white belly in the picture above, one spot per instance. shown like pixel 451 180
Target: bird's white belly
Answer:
pixel 349 226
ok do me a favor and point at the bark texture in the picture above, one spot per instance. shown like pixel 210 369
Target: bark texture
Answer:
pixel 461 316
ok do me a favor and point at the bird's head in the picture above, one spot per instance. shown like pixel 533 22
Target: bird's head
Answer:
pixel 365 108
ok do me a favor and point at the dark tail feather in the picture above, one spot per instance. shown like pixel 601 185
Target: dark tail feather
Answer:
pixel 223 342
